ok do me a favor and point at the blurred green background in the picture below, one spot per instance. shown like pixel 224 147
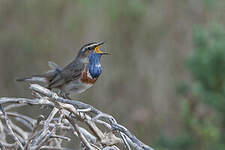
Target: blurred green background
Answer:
pixel 165 80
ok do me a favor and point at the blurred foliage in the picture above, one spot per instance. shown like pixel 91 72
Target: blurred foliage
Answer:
pixel 183 141
pixel 204 130
pixel 207 66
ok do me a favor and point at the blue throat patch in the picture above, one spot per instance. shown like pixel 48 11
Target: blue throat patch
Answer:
pixel 95 67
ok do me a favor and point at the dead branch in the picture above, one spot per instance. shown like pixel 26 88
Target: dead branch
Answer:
pixel 65 117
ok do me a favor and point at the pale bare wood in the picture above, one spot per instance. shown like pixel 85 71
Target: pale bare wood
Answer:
pixel 72 113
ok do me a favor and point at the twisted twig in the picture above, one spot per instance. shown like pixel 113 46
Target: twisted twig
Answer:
pixel 72 111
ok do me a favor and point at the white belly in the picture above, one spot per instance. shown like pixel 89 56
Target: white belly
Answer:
pixel 76 87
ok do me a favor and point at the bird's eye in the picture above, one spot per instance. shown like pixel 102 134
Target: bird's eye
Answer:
pixel 89 48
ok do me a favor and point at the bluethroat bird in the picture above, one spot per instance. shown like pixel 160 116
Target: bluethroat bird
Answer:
pixel 77 76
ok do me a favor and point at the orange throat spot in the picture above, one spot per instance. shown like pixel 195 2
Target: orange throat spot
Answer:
pixel 86 79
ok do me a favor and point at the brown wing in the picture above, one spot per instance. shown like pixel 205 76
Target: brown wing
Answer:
pixel 70 72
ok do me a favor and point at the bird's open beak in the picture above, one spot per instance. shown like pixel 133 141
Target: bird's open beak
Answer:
pixel 97 49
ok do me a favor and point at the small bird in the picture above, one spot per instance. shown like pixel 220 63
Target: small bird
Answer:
pixel 77 76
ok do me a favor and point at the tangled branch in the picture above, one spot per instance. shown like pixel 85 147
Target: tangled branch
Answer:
pixel 65 116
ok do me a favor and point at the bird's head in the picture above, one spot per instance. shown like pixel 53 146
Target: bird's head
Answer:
pixel 89 48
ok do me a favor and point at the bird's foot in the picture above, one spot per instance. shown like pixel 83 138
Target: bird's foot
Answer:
pixel 65 95
pixel 68 96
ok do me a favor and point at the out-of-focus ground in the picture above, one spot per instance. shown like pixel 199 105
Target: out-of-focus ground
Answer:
pixel 150 41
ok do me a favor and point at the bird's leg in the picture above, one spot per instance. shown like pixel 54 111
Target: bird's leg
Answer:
pixel 60 93
pixel 68 96
pixel 65 95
